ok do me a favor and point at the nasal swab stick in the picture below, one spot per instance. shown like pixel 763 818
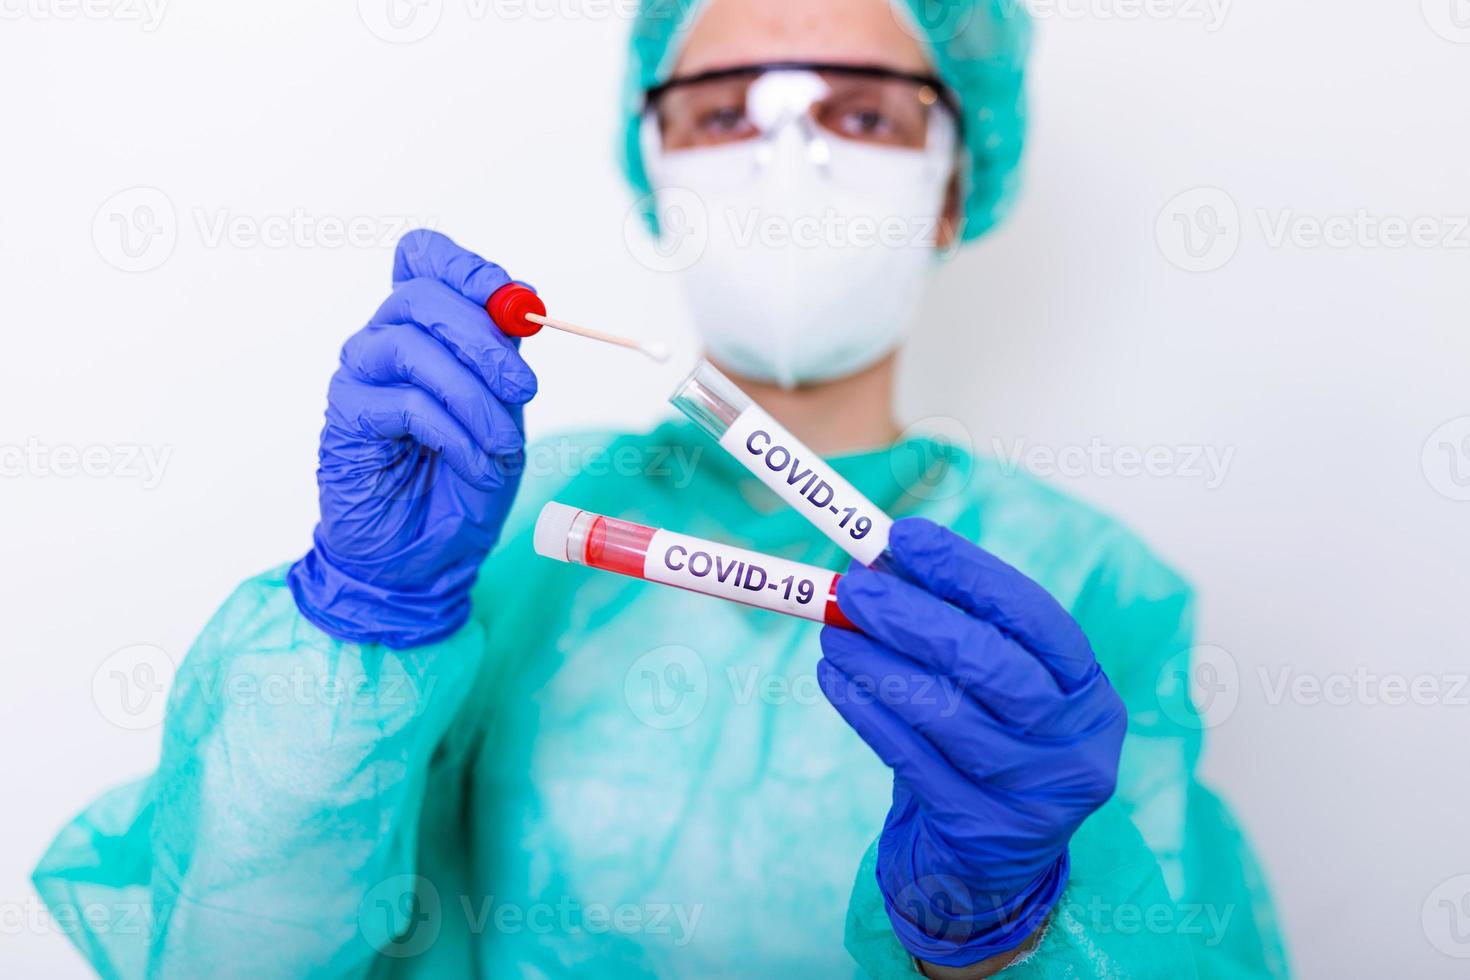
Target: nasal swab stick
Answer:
pixel 659 352
pixel 519 312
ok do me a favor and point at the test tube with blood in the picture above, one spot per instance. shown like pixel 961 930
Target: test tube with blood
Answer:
pixel 707 567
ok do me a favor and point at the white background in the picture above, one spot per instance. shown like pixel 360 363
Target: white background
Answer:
pixel 1332 544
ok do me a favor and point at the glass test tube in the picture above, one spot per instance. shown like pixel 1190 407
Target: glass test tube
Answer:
pixel 708 567
pixel 778 459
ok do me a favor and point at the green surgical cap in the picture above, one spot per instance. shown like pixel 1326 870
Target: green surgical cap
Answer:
pixel 978 47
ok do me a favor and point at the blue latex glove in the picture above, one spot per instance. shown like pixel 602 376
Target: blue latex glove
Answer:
pixel 421 454
pixel 982 694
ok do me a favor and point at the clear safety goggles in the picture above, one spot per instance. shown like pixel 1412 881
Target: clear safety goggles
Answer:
pixel 836 108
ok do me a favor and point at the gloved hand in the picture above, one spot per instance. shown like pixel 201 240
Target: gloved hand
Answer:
pixel 982 694
pixel 421 454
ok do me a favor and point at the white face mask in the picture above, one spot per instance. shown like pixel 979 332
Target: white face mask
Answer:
pixel 818 248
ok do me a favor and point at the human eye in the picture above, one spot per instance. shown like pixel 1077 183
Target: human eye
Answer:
pixel 865 122
pixel 723 122
pixel 875 113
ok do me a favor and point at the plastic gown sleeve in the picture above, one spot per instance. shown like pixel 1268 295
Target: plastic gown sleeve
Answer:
pixel 279 833
pixel 1163 883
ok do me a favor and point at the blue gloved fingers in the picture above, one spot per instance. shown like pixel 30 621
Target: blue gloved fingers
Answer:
pixel 1094 708
pixel 421 455
pixel 467 330
pixel 993 668
pixel 981 584
pixel 911 756
pixel 396 413
pixel 401 353
pixel 959 727
pixel 425 254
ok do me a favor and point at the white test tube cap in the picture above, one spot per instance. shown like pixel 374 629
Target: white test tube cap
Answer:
pixel 553 527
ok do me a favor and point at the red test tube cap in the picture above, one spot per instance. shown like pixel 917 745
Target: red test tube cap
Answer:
pixel 508 307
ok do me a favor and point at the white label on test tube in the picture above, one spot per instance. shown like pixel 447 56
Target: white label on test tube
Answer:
pixel 734 573
pixel 807 482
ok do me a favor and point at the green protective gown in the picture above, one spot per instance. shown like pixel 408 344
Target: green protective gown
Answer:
pixel 603 777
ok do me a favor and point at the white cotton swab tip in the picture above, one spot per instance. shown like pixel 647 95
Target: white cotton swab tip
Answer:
pixel 655 350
